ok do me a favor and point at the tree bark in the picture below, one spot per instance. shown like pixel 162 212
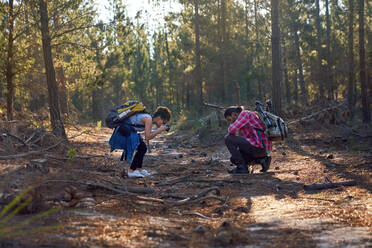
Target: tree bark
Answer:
pixel 286 80
pixel 54 107
pixel 222 40
pixel 329 59
pixel 350 89
pixel 362 63
pixel 198 76
pixel 319 77
pixel 275 45
pixel 295 87
pixel 10 60
pixel 63 90
pixel 248 57
pixel 60 76
pixel 259 81
pixel 299 60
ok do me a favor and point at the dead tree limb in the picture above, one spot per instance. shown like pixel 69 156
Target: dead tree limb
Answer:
pixel 312 116
pixel 197 214
pixel 329 185
pixel 76 157
pixel 213 106
pixel 191 200
pixel 126 190
pixel 17 138
pixel 174 181
pixel 21 155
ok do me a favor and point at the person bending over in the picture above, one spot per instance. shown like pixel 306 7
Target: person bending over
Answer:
pixel 246 140
pixel 126 137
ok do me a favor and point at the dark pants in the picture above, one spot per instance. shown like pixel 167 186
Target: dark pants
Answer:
pixel 138 157
pixel 242 152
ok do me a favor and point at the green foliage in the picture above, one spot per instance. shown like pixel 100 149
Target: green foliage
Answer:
pixel 99 125
pixel 71 153
pixel 9 230
pixel 100 65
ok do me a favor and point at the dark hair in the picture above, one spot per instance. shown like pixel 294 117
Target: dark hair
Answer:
pixel 163 112
pixel 233 109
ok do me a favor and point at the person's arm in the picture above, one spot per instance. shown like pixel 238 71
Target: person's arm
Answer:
pixel 240 122
pixel 149 134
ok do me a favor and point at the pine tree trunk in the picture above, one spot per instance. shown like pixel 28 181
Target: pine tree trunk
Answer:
pixel 319 77
pixel 286 80
pixel 299 61
pixel 351 93
pixel 62 90
pixel 362 63
pixel 329 59
pixel 10 60
pixel 198 76
pixel 295 85
pixel 54 107
pixel 222 40
pixel 259 67
pixel 275 44
pixel 248 57
pixel 60 76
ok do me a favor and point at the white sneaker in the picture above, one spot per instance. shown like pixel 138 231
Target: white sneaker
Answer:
pixel 135 173
pixel 145 173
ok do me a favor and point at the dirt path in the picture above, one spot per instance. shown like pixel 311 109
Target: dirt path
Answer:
pixel 259 210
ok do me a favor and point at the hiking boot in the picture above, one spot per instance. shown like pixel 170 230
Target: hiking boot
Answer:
pixel 240 169
pixel 265 162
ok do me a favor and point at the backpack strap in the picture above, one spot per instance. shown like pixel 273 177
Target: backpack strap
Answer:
pixel 259 135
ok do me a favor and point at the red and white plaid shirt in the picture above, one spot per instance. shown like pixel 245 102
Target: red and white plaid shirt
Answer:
pixel 246 123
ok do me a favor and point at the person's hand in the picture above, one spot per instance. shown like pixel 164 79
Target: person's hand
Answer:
pixel 163 128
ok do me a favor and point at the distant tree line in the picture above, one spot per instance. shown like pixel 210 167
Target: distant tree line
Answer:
pixel 58 56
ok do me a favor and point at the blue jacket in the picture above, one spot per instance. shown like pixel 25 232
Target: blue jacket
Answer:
pixel 127 143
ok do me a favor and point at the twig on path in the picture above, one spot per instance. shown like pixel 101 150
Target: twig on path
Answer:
pixel 174 181
pixel 191 201
pixel 124 191
pixel 77 135
pixel 197 214
pixel 329 185
pixel 21 155
pixel 17 138
pixel 76 157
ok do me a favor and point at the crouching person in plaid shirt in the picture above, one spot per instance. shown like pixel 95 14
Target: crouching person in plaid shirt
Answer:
pixel 246 140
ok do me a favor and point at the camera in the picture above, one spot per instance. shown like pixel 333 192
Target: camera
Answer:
pixel 168 127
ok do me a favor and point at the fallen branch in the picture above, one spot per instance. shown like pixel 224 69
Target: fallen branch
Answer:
pixel 16 137
pixel 191 201
pixel 30 138
pixel 197 214
pixel 329 185
pixel 213 106
pixel 21 155
pixel 76 157
pixel 309 117
pixel 124 191
pixel 174 181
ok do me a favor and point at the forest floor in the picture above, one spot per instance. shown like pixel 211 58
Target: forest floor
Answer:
pixel 191 200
